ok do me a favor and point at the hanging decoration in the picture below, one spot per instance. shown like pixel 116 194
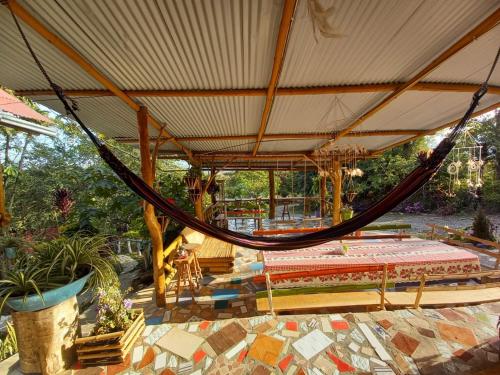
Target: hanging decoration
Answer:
pixel 466 162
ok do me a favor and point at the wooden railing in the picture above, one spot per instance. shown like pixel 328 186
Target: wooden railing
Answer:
pixel 449 232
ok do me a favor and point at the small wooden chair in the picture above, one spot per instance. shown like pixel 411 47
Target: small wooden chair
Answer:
pixel 285 210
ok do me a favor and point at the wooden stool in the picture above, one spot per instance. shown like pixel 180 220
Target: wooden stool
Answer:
pixel 184 274
pixel 192 248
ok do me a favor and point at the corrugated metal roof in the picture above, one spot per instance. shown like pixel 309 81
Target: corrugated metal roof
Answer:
pixel 171 44
pixel 370 143
pixel 208 116
pixel 230 44
pixel 379 40
pixel 318 113
pixel 423 110
pixel 18 70
pixel 472 64
pixel 296 145
pixel 107 115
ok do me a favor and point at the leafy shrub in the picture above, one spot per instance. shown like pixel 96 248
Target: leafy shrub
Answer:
pixel 8 344
pixel 481 227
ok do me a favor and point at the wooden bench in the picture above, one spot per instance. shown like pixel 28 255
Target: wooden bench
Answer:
pixel 422 296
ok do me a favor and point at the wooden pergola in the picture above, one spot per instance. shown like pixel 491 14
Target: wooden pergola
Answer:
pixel 244 85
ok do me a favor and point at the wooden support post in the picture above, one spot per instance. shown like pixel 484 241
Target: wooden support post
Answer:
pixel 149 211
pixel 382 288
pixel 337 191
pixel 198 208
pixel 272 196
pixel 420 291
pixel 322 192
pixel 269 293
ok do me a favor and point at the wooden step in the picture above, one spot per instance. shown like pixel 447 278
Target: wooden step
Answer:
pixel 444 297
pixel 320 300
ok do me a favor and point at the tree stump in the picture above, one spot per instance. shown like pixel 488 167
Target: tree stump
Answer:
pixel 46 338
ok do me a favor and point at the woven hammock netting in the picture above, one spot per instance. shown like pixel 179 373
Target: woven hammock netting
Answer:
pixel 429 165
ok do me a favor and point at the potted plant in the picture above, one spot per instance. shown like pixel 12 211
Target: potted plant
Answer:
pixel 346 212
pixel 117 328
pixel 55 271
pixel 41 288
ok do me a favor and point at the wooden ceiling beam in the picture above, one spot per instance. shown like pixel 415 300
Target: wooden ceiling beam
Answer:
pixel 486 25
pixel 285 91
pixel 73 55
pixel 279 57
pixel 434 130
pixel 287 136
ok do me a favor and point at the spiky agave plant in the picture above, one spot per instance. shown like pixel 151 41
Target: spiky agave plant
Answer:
pixel 76 256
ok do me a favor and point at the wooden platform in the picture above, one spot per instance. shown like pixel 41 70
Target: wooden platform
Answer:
pixel 372 299
pixel 216 256
pixel 444 297
pixel 320 300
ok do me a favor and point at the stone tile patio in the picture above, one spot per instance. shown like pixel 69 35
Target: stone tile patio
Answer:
pixel 383 342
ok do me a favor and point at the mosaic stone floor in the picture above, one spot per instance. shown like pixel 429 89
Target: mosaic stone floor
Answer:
pixel 443 341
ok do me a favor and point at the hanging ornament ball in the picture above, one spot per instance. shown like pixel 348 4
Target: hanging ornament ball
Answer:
pixel 454 167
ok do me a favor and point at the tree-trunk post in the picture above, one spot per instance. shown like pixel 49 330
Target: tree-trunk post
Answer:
pixel 4 215
pixel 149 211
pixel 272 193
pixel 322 192
pixel 198 208
pixel 337 191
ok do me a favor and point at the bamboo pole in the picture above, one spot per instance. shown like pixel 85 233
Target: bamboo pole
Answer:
pixel 149 212
pixel 337 190
pixel 322 192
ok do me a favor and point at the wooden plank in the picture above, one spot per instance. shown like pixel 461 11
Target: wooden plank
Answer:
pixel 450 241
pixel 458 297
pixel 283 91
pixel 465 235
pixel 279 57
pixel 313 301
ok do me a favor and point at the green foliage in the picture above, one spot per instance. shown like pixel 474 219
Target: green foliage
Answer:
pixel 247 184
pixel 481 227
pixel 8 343
pixel 102 203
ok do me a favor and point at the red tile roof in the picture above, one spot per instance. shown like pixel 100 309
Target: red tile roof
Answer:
pixel 11 104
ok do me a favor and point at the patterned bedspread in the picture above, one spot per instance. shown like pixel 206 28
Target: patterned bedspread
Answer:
pixel 411 257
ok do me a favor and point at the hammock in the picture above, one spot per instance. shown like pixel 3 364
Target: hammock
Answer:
pixel 429 165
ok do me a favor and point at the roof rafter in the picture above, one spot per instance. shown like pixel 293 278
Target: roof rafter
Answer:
pixel 486 25
pixel 435 130
pixel 72 54
pixel 284 136
pixel 284 91
pixel 279 56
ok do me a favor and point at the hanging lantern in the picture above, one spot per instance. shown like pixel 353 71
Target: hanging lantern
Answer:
pixel 194 187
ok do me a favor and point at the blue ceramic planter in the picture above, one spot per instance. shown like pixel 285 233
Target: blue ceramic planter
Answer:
pixel 50 298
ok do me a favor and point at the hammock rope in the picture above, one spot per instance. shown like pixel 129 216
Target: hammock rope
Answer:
pixel 408 186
